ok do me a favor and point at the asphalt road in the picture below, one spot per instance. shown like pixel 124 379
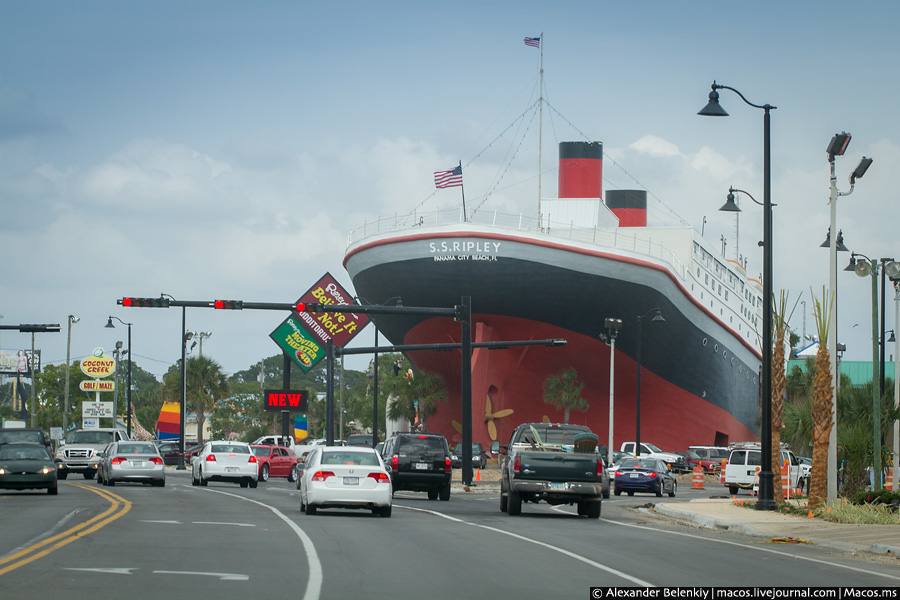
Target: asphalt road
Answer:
pixel 223 541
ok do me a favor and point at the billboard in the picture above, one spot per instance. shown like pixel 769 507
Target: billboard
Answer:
pixel 303 336
pixel 19 362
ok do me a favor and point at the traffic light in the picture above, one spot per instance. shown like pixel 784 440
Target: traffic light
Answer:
pixel 229 304
pixel 160 302
pixel 308 307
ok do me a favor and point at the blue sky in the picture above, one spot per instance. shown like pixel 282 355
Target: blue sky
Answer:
pixel 227 149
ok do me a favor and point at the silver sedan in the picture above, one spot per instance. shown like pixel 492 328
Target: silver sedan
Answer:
pixel 138 462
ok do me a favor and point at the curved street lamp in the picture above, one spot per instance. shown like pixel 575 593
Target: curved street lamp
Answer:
pixel 109 324
pixel 869 268
pixel 766 477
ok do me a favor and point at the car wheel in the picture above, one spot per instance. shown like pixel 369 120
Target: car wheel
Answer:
pixel 203 482
pixel 504 503
pixel 674 488
pixel 110 482
pixel 244 484
pixel 253 483
pixel 515 504
pixel 194 480
pixel 162 483
pixel 88 474
pixel 385 512
pixel 582 509
pixel 432 493
pixel 606 494
pixel 61 474
pixel 593 510
pixel 293 474
pixel 99 478
pixel 630 493
pixel 53 490
pixel 444 494
pixel 618 492
pixel 310 509
pixel 733 490
pixel 659 490
pixel 264 473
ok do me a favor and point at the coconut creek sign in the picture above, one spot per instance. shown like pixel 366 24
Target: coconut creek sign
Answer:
pixel 304 336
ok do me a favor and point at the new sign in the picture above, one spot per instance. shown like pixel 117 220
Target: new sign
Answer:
pixel 290 400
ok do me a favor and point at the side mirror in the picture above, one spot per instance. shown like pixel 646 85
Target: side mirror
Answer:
pixel 495 447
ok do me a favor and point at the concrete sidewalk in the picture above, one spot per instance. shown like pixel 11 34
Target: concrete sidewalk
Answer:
pixel 726 515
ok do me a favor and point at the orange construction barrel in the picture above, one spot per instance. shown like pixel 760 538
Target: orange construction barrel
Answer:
pixel 697 478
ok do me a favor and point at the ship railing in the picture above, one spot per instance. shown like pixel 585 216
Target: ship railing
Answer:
pixel 622 238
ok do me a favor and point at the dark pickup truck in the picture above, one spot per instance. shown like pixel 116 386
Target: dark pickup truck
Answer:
pixel 541 462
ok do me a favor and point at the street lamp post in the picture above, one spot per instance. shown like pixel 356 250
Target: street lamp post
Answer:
pixel 869 268
pixel 612 326
pixel 766 477
pixel 896 449
pixel 657 316
pixel 72 320
pixel 109 324
pixel 836 147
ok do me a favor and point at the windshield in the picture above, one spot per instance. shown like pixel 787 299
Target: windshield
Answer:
pixel 12 435
pixel 230 448
pixel 137 448
pixel 17 452
pixel 90 437
pixel 349 457
pixel 547 434
pixel 652 447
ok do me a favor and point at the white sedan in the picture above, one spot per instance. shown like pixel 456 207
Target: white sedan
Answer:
pixel 345 477
pixel 225 461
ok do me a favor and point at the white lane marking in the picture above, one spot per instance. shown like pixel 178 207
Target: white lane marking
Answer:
pixel 160 521
pixel 314 584
pixel 587 561
pixel 757 548
pixel 113 571
pixel 221 576
pixel 222 523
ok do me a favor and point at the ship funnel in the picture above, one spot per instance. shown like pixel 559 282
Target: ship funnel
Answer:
pixel 629 205
pixel 581 169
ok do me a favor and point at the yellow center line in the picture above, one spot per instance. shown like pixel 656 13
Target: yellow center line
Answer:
pixel 118 507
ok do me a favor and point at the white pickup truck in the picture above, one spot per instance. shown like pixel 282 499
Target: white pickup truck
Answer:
pixel 79 452
pixel 676 462
pixel 744 464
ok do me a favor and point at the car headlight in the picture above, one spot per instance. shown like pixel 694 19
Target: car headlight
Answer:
pixel 47 470
pixel 60 453
pixel 2 471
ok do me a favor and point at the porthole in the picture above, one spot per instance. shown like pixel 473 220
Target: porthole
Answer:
pixel 716 348
pixel 724 354
pixel 704 341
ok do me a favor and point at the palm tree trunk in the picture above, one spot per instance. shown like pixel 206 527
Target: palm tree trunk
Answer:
pixel 822 423
pixel 778 385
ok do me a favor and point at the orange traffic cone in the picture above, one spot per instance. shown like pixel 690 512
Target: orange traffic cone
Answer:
pixel 478 475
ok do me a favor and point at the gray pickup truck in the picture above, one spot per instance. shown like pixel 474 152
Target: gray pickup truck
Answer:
pixel 542 462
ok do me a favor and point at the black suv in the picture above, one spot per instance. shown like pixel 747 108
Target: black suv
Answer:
pixel 419 462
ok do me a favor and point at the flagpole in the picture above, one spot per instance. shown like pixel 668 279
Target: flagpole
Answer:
pixel 540 130
pixel 463 191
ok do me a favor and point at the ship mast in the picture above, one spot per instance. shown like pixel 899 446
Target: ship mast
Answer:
pixel 540 130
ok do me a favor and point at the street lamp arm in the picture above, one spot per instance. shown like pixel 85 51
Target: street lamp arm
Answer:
pixel 766 107
pixel 731 191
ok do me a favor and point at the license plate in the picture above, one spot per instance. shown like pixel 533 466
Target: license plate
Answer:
pixel 422 466
pixel 351 480
pixel 633 475
pixel 557 486
pixel 231 469
pixel 138 463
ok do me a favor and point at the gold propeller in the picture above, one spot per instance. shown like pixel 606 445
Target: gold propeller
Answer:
pixel 488 418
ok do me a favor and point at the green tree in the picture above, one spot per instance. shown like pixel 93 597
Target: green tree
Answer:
pixel 417 397
pixel 206 385
pixel 564 392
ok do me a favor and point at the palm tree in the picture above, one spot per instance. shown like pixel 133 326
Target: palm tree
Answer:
pixel 418 398
pixel 822 417
pixel 781 318
pixel 205 386
pixel 564 392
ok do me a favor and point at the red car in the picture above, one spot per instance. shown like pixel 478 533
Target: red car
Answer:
pixel 276 461
pixel 694 459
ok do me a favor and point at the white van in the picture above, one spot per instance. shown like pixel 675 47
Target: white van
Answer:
pixel 744 464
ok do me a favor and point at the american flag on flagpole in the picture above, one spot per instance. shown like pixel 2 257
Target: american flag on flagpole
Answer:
pixel 451 178
pixel 533 42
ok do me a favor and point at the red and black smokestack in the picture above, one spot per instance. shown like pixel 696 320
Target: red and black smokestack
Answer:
pixel 629 205
pixel 581 169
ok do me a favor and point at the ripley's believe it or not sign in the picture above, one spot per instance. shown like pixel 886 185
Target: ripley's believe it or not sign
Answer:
pixel 303 336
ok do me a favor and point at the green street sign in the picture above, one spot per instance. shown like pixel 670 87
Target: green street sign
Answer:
pixel 298 343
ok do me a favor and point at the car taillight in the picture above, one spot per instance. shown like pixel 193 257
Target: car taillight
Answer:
pixel 322 475
pixel 651 474
pixel 446 464
pixel 211 457
pixel 395 462
pixel 599 467
pixel 380 477
pixel 252 459
pixel 156 460
pixel 117 460
pixel 516 465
